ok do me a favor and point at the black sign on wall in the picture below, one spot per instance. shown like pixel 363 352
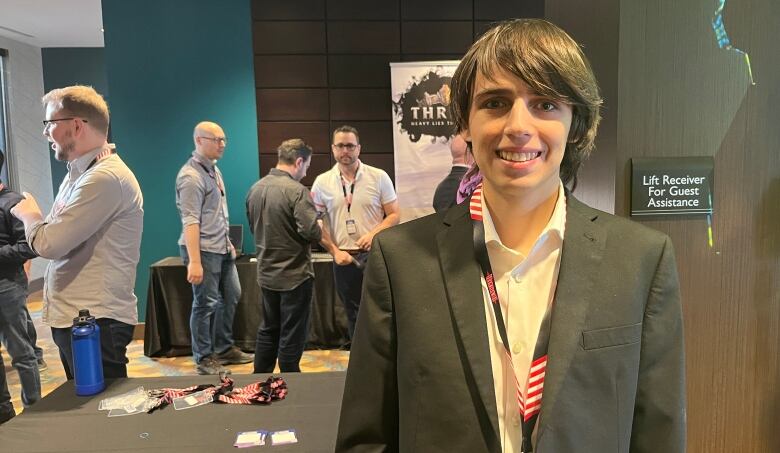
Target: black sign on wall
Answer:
pixel 671 186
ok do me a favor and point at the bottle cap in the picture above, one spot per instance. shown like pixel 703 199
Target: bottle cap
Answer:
pixel 84 317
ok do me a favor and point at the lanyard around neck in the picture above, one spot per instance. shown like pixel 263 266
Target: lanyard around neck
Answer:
pixel 213 174
pixel 531 404
pixel 59 202
pixel 101 155
pixel 348 198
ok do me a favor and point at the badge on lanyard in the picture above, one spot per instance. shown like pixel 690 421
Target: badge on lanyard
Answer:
pixel 351 226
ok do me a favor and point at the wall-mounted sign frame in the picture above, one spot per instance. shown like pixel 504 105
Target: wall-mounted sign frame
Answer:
pixel 671 186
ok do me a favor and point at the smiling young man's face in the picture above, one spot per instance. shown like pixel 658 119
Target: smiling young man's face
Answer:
pixel 518 137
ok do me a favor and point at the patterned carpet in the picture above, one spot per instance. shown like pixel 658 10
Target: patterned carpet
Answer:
pixel 140 365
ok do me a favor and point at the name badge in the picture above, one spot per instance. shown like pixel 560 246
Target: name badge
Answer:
pixel 351 226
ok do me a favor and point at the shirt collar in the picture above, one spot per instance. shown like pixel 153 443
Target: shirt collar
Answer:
pixel 277 172
pixel 210 164
pixel 554 228
pixel 80 164
pixel 359 172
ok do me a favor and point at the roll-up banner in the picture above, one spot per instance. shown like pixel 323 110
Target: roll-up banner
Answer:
pixel 422 130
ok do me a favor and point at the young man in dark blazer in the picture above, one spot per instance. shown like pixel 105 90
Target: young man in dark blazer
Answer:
pixel 522 320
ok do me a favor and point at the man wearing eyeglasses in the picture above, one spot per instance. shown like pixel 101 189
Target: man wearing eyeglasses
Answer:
pixel 208 253
pixel 357 201
pixel 92 234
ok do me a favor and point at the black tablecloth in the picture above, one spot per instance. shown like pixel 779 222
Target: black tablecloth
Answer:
pixel 169 302
pixel 64 422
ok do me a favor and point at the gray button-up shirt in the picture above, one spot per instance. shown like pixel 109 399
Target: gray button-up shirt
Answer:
pixel 284 222
pixel 92 237
pixel 201 199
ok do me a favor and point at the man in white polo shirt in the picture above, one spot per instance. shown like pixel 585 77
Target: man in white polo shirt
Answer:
pixel 357 201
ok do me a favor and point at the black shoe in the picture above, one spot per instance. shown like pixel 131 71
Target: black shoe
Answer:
pixel 234 356
pixel 209 365
pixel 4 417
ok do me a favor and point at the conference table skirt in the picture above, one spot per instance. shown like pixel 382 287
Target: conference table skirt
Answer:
pixel 64 422
pixel 169 302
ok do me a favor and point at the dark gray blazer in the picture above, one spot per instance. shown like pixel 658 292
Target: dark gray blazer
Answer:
pixel 420 378
pixel 446 194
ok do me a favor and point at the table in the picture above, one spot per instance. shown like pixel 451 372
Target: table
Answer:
pixel 169 302
pixel 64 422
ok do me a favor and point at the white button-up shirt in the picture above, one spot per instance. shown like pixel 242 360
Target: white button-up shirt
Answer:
pixel 526 287
pixel 92 237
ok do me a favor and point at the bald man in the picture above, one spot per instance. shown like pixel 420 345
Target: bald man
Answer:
pixel 208 254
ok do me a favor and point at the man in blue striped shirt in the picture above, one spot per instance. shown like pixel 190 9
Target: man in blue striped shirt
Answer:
pixel 208 253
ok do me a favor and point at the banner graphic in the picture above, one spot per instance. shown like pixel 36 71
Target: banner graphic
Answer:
pixel 422 130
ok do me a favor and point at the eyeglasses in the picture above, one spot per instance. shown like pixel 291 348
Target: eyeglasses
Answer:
pixel 222 140
pixel 348 146
pixel 46 123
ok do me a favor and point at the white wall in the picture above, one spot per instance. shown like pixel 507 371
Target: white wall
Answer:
pixel 29 151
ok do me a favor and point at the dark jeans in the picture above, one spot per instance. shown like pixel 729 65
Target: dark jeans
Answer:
pixel 33 335
pixel 13 325
pixel 284 327
pixel 349 285
pixel 214 304
pixel 114 338
pixel 6 406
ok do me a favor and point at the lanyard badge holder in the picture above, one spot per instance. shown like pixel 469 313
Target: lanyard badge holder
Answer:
pixel 351 226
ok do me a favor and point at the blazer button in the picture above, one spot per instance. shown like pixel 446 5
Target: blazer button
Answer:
pixel 516 420
pixel 517 347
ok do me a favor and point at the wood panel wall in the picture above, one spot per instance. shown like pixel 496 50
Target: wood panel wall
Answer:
pixel 682 95
pixel 323 63
pixel 670 91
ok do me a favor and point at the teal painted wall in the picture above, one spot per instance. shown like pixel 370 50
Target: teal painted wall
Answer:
pixel 171 64
pixel 65 66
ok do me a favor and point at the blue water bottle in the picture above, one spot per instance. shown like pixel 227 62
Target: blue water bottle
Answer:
pixel 87 364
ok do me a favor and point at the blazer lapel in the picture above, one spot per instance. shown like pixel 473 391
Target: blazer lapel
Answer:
pixel 581 255
pixel 462 277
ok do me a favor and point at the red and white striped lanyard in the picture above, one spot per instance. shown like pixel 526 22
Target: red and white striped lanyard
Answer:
pixel 101 155
pixel 530 405
pixel 266 392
